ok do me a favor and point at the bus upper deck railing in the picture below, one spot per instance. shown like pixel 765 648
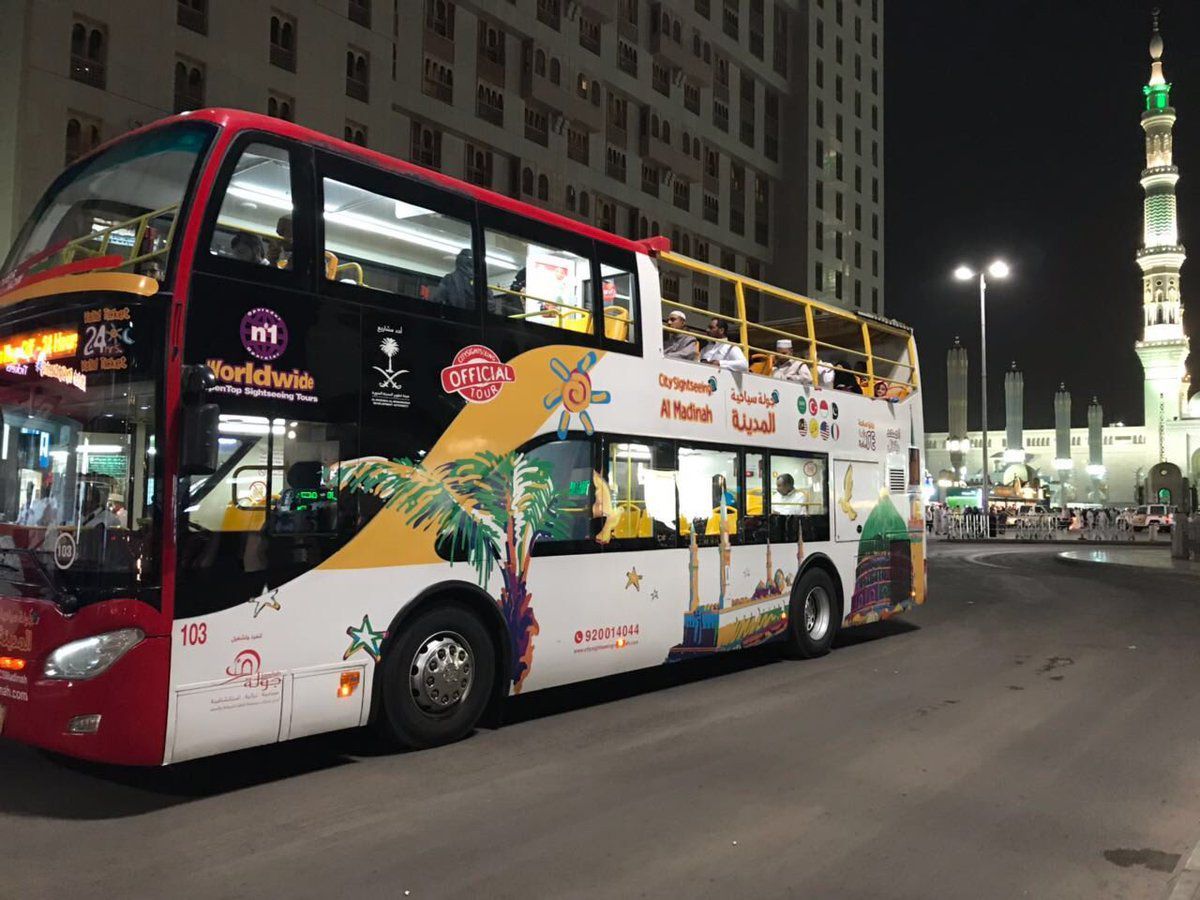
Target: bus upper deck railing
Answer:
pixel 146 246
pixel 804 329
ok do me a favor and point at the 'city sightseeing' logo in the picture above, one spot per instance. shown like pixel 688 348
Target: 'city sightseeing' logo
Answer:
pixel 476 374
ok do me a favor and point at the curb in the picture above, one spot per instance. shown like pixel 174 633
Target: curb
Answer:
pixel 1001 542
pixel 1185 883
pixel 1130 567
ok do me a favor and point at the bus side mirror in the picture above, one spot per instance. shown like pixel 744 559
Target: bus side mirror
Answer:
pixel 201 421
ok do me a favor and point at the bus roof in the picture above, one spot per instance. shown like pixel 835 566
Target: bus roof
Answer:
pixel 241 120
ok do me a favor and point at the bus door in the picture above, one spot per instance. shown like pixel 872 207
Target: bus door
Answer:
pixel 854 491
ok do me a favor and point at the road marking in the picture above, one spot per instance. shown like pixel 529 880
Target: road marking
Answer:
pixel 977 559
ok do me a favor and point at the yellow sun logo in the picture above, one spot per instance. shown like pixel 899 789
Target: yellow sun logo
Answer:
pixel 576 394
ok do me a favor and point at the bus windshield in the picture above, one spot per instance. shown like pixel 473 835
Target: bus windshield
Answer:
pixel 78 492
pixel 119 207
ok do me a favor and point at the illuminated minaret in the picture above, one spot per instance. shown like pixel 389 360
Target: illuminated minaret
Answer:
pixel 956 390
pixel 1014 406
pixel 1163 348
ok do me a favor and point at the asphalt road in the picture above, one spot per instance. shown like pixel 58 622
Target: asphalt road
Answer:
pixel 1032 731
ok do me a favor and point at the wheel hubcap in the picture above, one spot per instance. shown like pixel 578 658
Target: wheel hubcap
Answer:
pixel 816 613
pixel 441 674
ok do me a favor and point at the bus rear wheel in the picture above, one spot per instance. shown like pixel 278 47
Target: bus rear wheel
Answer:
pixel 437 678
pixel 814 615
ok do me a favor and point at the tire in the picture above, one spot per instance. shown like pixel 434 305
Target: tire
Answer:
pixel 811 630
pixel 426 699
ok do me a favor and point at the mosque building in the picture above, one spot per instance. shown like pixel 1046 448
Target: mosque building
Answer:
pixel 1116 464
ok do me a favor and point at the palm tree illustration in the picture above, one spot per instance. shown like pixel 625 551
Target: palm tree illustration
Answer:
pixel 486 509
pixel 390 348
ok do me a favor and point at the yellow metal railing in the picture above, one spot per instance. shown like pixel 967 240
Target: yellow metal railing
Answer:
pixel 98 243
pixel 807 309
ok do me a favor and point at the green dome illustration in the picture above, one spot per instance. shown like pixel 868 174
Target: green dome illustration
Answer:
pixel 883 521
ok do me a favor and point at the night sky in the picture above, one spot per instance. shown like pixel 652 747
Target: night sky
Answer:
pixel 1012 130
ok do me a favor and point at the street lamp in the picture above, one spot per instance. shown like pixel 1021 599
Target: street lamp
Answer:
pixel 998 269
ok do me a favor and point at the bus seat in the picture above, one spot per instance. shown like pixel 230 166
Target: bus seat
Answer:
pixel 331 266
pixel 616 323
pixel 629 524
pixel 685 527
pixel 714 521
pixel 754 502
pixel 762 363
pixel 576 321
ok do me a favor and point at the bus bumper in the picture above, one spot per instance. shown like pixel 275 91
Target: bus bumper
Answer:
pixel 117 717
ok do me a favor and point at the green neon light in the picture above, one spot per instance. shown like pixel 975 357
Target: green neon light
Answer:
pixel 1158 96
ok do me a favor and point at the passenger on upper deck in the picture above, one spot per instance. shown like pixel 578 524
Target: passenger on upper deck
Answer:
pixel 798 369
pixel 679 346
pixel 457 287
pixel 280 254
pixel 248 248
pixel 721 354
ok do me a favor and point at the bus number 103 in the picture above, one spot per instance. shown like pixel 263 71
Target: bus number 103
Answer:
pixel 194 634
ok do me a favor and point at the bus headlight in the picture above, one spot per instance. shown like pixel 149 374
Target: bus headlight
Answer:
pixel 89 657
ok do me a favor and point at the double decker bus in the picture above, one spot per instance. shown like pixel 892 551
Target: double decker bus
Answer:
pixel 298 437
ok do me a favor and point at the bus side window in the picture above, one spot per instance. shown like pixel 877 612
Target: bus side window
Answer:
pixel 619 296
pixel 642 505
pixel 567 467
pixel 799 507
pixel 708 489
pixel 389 244
pixel 255 224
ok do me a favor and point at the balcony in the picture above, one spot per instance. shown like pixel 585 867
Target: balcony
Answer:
pixel 540 90
pixel 191 18
pixel 438 45
pixel 586 111
pixel 604 10
pixel 88 71
pixel 616 134
pixel 669 156
pixel 685 54
pixel 283 58
pixel 490 70
pixel 359 13
pixel 357 90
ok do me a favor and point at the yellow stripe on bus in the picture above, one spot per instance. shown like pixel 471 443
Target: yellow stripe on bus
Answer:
pixel 499 426
pixel 121 282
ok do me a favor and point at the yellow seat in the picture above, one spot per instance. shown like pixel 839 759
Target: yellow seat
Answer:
pixel 576 321
pixel 633 522
pixel 616 323
pixel 714 521
pixel 754 502
pixel 762 363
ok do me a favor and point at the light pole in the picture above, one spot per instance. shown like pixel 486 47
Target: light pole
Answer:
pixel 998 269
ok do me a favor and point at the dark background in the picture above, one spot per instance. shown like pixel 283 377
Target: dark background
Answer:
pixel 1013 131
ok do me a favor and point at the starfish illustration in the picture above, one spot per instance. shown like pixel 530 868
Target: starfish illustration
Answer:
pixel 265 600
pixel 654 594
pixel 364 637
pixel 633 580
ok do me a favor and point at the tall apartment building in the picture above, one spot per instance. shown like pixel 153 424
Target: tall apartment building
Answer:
pixel 748 131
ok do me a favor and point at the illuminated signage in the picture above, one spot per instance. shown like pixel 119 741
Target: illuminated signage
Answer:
pixel 46 344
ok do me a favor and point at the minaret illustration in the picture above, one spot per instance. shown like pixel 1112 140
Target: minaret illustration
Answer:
pixel 1163 348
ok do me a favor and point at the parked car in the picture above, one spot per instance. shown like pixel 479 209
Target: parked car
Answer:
pixel 1158 514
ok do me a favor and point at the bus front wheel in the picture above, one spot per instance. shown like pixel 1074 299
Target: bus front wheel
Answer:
pixel 814 615
pixel 436 678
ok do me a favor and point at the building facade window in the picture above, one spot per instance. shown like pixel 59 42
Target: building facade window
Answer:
pixel 283 41
pixel 281 106
pixel 189 85
pixel 358 75
pixel 437 80
pixel 439 18
pixel 83 136
pixel 89 53
pixel 489 104
pixel 359 12
pixel 355 133
pixel 425 146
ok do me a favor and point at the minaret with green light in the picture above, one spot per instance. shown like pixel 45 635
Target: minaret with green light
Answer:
pixel 1163 348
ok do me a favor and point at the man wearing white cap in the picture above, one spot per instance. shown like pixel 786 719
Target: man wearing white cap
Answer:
pixel 797 370
pixel 679 346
